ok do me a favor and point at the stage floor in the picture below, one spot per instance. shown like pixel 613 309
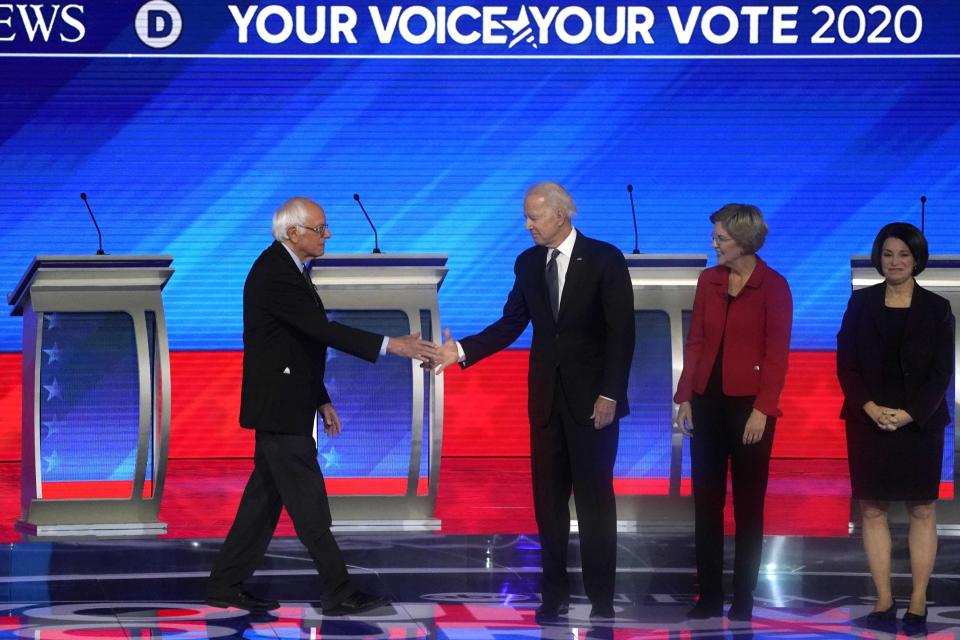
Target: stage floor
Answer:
pixel 445 587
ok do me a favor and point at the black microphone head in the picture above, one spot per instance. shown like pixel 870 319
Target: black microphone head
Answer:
pixel 923 199
pixel 356 197
pixel 630 188
pixel 83 196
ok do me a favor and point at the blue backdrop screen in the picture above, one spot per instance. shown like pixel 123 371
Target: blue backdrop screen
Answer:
pixel 187 150
pixel 188 124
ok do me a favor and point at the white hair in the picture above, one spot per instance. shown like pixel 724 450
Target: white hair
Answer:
pixel 555 196
pixel 291 213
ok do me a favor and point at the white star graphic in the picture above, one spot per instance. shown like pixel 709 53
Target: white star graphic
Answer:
pixel 51 319
pixel 53 426
pixel 53 390
pixel 52 460
pixel 53 354
pixel 330 458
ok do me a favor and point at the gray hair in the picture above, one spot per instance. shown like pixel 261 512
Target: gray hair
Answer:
pixel 744 223
pixel 555 196
pixel 291 213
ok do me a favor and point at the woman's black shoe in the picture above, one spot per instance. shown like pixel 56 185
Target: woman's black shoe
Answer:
pixel 886 617
pixel 911 619
pixel 705 609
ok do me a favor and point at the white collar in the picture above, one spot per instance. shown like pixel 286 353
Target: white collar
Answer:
pixel 566 247
pixel 296 259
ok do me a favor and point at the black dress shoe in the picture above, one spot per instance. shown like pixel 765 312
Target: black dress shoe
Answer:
pixel 356 603
pixel 705 609
pixel 741 608
pixel 602 611
pixel 884 616
pixel 911 619
pixel 242 600
pixel 551 611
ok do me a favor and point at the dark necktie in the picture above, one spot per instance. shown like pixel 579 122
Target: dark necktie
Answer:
pixel 306 277
pixel 553 283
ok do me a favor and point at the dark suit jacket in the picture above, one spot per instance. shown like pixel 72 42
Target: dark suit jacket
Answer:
pixel 755 333
pixel 926 355
pixel 589 347
pixel 285 338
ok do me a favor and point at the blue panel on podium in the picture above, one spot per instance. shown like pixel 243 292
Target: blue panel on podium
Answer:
pixel 646 431
pixel 89 404
pixel 374 403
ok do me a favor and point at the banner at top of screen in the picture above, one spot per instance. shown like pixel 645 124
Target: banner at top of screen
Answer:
pixel 495 28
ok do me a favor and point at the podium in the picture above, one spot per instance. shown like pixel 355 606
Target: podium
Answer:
pixel 942 276
pixel 383 471
pixel 96 395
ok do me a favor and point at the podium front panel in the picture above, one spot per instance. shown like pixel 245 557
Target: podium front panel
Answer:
pixel 90 407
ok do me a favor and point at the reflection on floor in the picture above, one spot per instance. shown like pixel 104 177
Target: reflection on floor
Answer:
pixel 445 587
pixel 804 497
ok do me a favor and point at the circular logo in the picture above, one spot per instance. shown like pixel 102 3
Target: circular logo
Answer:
pixel 158 24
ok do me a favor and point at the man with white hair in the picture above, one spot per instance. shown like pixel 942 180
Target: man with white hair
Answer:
pixel 578 294
pixel 286 334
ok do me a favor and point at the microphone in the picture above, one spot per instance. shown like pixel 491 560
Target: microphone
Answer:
pixel 923 211
pixel 376 240
pixel 633 210
pixel 100 252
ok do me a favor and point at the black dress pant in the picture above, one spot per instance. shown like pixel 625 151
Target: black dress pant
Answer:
pixel 565 455
pixel 285 474
pixel 718 424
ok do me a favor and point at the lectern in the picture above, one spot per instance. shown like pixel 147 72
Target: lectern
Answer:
pixel 942 276
pixel 383 470
pixel 96 395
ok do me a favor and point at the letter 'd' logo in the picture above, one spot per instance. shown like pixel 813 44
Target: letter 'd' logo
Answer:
pixel 158 24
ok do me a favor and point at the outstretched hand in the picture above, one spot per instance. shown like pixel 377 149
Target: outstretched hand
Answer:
pixel 413 347
pixel 447 353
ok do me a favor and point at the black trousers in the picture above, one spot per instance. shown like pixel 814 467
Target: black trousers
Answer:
pixel 565 455
pixel 718 424
pixel 285 474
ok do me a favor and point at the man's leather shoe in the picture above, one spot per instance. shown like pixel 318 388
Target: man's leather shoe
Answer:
pixel 356 603
pixel 243 600
pixel 602 611
pixel 551 612
pixel 705 609
pixel 741 608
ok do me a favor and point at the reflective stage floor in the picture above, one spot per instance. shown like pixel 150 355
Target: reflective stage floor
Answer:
pixel 447 587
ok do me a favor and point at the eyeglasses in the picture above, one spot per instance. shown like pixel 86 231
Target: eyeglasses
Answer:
pixel 320 228
pixel 719 239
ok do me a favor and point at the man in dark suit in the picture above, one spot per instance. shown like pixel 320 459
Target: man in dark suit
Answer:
pixel 578 293
pixel 285 339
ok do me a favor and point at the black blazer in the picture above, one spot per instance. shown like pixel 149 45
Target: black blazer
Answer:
pixel 590 346
pixel 926 355
pixel 285 338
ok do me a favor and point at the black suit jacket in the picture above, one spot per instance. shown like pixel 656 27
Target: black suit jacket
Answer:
pixel 285 338
pixel 589 347
pixel 926 355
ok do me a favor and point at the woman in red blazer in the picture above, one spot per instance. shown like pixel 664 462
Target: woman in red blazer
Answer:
pixel 734 365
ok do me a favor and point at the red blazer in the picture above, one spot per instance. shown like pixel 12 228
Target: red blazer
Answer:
pixel 757 340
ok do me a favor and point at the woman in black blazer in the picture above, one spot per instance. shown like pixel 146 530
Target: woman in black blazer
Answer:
pixel 895 355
